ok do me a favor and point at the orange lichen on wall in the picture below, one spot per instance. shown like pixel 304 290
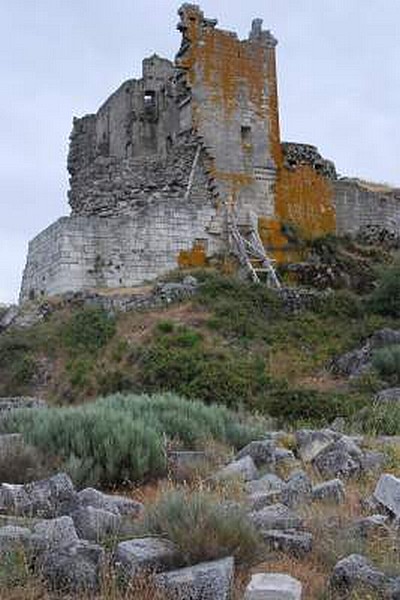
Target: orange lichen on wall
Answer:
pixel 224 61
pixel 304 198
pixel 195 257
pixel 273 104
pixel 280 248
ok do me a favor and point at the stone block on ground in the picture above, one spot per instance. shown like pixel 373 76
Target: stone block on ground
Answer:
pixel 267 483
pixel 298 490
pixel 276 516
pixel 205 581
pixel 244 469
pixel 51 497
pixel 310 443
pixel 73 568
pixel 139 555
pixel 295 543
pixel 387 493
pixel 273 586
pixel 355 572
pixel 390 395
pixel 262 452
pixel 53 533
pixel 332 491
pixel 340 459
pixel 116 504
pixel 96 524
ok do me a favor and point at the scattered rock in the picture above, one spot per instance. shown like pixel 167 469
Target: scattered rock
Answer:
pixel 273 586
pixel 267 483
pixel 330 491
pixel 298 490
pixel 54 533
pixel 96 524
pixel 262 453
pixel 277 516
pixel 51 497
pixel 296 543
pixel 387 493
pixel 145 554
pixel 118 505
pixel 73 568
pixel 244 469
pixel 356 572
pixel 340 459
pixel 310 443
pixel 205 581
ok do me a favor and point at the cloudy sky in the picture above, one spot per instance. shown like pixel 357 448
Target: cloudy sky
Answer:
pixel 339 80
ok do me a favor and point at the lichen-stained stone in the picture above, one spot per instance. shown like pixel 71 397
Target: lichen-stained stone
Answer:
pixel 139 555
pixel 204 581
pixel 387 493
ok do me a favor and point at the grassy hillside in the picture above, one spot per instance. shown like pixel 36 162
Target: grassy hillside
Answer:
pixel 232 343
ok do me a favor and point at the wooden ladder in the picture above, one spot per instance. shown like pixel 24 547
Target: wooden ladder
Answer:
pixel 250 251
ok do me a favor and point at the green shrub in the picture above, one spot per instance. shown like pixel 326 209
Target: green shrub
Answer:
pixel 166 326
pixel 342 303
pixel 240 309
pixel 88 330
pixel 123 438
pixel 202 528
pixel 79 371
pixel 386 361
pixel 220 376
pixel 290 405
pixel 385 300
pixel 23 370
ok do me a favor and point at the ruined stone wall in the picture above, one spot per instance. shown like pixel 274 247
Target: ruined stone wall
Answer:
pixel 78 252
pixel 363 207
pixel 227 79
pixel 110 186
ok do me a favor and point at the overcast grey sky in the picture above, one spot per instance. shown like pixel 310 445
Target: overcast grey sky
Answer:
pixel 339 80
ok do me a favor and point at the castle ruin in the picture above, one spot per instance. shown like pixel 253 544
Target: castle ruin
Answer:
pixel 156 172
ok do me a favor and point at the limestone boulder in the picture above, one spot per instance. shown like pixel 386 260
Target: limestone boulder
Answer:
pixel 277 516
pixel 54 533
pixel 387 493
pixel 295 543
pixel 118 505
pixel 267 483
pixel 342 458
pixel 310 443
pixel 243 469
pixel 273 586
pixel 96 524
pixel 262 452
pixel 139 555
pixel 332 491
pixel 51 497
pixel 73 568
pixel 205 581
pixel 297 491
pixel 356 573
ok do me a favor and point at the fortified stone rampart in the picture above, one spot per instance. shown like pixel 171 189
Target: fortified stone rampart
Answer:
pixel 158 171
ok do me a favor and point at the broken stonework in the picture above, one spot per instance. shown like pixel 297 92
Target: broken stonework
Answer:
pixel 161 170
